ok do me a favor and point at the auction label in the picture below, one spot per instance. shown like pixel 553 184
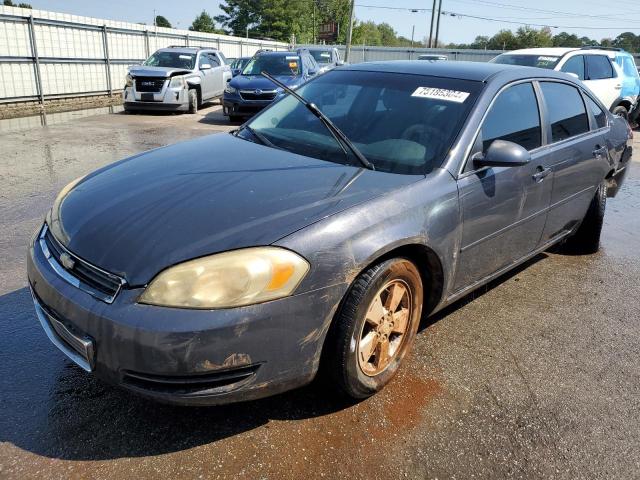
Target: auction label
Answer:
pixel 440 94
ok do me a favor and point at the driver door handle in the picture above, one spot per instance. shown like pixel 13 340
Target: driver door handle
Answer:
pixel 541 173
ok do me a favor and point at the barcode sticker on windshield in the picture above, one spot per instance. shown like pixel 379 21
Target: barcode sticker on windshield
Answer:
pixel 291 58
pixel 185 57
pixel 440 94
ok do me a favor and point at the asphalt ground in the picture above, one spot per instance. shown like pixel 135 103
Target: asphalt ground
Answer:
pixel 536 375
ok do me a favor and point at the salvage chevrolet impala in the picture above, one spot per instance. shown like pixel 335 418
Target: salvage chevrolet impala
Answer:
pixel 231 267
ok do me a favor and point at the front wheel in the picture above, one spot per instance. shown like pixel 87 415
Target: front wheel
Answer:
pixel 375 327
pixel 587 238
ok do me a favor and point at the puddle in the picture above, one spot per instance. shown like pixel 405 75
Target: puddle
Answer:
pixel 48 119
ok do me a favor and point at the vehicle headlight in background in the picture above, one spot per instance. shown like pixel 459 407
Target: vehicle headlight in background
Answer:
pixel 128 80
pixel 230 89
pixel 230 279
pixel 177 82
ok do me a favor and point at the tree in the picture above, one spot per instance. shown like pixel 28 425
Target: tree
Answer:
pixel 204 23
pixel 564 39
pixel 162 22
pixel 628 41
pixel 528 37
pixel 503 40
pixel 9 3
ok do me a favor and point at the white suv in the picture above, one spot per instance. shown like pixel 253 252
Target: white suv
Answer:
pixel 609 73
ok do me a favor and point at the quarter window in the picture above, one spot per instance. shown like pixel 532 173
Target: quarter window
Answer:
pixel 598 113
pixel 514 117
pixel 599 67
pixel 567 114
pixel 575 65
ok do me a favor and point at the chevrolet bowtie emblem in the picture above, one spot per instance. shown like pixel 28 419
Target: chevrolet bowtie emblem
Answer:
pixel 66 261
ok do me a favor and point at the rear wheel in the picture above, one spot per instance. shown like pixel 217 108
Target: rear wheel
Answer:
pixel 375 328
pixel 587 238
pixel 621 111
pixel 193 101
pixel 235 118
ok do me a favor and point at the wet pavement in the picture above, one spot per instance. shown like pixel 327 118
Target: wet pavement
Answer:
pixel 536 375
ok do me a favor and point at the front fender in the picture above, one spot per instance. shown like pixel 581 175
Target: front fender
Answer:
pixel 341 246
pixel 193 81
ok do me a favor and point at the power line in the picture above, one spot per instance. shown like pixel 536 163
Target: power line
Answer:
pixel 568 27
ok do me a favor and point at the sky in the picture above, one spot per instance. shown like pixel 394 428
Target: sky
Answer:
pixel 592 18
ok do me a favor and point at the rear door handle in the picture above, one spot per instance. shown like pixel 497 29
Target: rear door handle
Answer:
pixel 600 151
pixel 541 173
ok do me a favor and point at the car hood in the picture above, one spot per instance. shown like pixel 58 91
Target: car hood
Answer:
pixel 253 82
pixel 163 72
pixel 217 193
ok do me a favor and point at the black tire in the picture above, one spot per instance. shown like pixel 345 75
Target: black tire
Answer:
pixel 235 118
pixel 193 101
pixel 621 111
pixel 342 364
pixel 586 240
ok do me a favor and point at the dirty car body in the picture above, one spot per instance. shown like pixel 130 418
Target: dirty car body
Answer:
pixel 110 235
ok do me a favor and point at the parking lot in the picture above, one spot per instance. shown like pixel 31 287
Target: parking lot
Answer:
pixel 535 375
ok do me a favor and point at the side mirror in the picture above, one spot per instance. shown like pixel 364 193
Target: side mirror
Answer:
pixel 205 66
pixel 574 75
pixel 339 63
pixel 235 72
pixel 502 153
pixel 311 72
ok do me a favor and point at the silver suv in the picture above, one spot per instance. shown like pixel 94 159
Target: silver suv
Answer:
pixel 176 79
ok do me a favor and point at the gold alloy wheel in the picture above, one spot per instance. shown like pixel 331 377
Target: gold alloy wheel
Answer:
pixel 385 327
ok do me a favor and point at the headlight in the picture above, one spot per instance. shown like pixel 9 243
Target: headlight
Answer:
pixel 229 279
pixel 229 89
pixel 176 82
pixel 128 80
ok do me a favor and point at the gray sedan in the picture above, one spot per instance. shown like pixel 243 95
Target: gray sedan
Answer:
pixel 231 267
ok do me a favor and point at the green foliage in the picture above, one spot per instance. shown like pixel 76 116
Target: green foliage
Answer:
pixel 204 23
pixel 9 3
pixel 527 37
pixel 162 22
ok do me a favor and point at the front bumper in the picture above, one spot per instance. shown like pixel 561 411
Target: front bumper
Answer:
pixel 168 99
pixel 190 357
pixel 234 105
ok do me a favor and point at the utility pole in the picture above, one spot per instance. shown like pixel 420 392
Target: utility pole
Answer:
pixel 413 31
pixel 314 22
pixel 433 13
pixel 438 23
pixel 349 32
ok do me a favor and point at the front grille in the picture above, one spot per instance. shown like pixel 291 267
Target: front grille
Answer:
pixel 97 282
pixel 149 84
pixel 263 95
pixel 197 384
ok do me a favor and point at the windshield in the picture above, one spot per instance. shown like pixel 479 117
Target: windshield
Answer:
pixel 239 63
pixel 540 61
pixel 172 60
pixel 321 56
pixel 401 123
pixel 276 65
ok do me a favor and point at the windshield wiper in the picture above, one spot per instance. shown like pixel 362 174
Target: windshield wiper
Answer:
pixel 340 137
pixel 263 140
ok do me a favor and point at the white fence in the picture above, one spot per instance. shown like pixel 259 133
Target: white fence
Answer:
pixel 45 55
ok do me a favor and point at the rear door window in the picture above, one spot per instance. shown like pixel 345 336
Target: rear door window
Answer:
pixel 629 67
pixel 598 67
pixel 575 65
pixel 514 116
pixel 598 113
pixel 566 110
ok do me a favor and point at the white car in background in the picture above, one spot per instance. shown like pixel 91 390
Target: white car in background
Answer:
pixel 610 73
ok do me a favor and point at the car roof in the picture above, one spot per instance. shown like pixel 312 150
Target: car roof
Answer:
pixel 555 51
pixel 279 52
pixel 187 49
pixel 478 71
